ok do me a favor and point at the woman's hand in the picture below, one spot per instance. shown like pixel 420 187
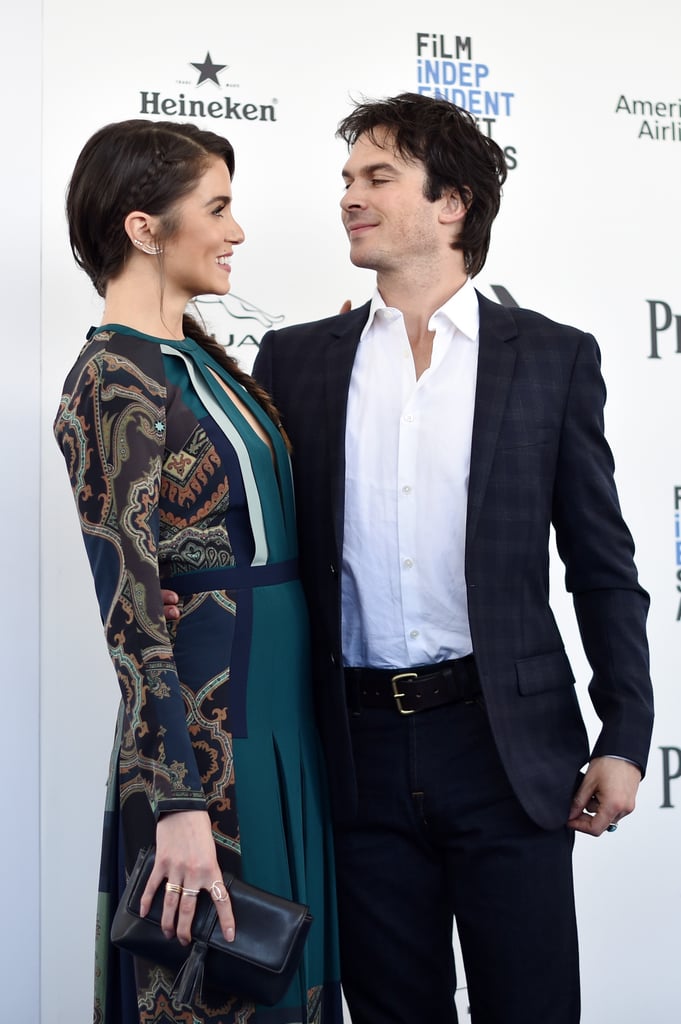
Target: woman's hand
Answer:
pixel 186 858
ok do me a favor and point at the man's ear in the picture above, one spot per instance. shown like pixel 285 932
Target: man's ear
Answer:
pixel 455 206
pixel 141 227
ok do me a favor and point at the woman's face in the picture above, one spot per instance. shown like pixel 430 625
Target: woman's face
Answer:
pixel 196 257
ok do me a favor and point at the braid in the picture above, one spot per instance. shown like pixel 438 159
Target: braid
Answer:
pixel 169 155
pixel 143 188
pixel 212 346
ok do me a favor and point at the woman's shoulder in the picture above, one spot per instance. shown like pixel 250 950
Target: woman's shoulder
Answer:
pixel 125 342
pixel 118 358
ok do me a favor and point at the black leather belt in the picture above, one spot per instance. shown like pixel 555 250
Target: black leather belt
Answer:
pixel 412 689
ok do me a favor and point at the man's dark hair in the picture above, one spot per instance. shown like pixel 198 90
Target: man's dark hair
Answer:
pixel 455 154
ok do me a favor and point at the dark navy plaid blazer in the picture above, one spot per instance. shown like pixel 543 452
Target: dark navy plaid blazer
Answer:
pixel 538 457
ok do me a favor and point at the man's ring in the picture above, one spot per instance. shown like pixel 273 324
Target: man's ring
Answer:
pixel 174 887
pixel 612 827
pixel 216 892
pixel 191 892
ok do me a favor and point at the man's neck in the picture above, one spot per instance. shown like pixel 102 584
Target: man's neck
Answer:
pixel 417 305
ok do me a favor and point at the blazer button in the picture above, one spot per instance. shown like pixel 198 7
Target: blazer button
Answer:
pixel 333 570
pixel 332 659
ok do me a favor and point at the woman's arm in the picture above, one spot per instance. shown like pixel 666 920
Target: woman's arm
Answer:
pixel 111 428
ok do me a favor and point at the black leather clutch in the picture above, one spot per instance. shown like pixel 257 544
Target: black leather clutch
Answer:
pixel 258 965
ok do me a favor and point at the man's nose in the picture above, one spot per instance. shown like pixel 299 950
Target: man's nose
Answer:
pixel 352 197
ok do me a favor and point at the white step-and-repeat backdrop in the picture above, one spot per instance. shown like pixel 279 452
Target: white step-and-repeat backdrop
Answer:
pixel 587 105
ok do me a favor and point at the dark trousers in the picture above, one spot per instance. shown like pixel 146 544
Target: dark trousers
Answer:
pixel 440 836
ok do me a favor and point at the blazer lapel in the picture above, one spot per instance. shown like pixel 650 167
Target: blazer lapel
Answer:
pixel 496 360
pixel 340 356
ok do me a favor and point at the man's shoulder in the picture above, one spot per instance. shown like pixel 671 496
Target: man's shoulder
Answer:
pixel 530 319
pixel 524 322
pixel 331 326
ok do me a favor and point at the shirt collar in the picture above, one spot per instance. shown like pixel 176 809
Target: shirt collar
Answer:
pixel 461 310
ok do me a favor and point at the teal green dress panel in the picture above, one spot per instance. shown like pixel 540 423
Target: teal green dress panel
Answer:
pixel 174 488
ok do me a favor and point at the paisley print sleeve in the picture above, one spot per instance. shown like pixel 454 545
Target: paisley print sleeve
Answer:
pixel 111 429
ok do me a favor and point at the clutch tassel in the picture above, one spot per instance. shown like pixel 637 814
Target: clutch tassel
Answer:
pixel 189 981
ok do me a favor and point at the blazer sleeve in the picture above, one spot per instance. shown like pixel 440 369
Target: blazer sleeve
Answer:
pixel 598 552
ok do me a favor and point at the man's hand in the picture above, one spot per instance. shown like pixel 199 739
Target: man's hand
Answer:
pixel 170 601
pixel 607 794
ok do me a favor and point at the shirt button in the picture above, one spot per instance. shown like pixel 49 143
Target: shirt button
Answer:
pixel 407 563
pixel 414 633
pixel 406 489
pixel 409 418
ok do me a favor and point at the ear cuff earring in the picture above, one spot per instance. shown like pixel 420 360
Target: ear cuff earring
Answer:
pixel 151 250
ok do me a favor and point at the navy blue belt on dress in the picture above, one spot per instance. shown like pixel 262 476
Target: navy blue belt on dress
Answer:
pixel 235 577
pixel 413 689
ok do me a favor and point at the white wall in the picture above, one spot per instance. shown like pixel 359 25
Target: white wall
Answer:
pixel 20 42
pixel 587 234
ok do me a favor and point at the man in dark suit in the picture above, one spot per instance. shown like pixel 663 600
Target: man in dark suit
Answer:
pixel 436 438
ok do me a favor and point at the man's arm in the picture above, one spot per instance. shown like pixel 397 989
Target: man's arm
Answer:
pixel 611 606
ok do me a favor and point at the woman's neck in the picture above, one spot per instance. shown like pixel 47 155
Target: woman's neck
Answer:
pixel 135 304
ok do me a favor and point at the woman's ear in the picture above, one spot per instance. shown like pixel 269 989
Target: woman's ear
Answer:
pixel 141 229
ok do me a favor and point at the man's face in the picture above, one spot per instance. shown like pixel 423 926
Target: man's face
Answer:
pixel 390 223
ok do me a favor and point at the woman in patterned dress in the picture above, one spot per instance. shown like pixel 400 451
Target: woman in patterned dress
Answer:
pixel 181 478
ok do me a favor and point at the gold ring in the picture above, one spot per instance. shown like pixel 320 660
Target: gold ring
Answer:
pixel 216 892
pixel 174 887
pixel 191 892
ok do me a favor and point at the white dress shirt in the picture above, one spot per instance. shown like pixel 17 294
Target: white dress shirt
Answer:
pixel 407 450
